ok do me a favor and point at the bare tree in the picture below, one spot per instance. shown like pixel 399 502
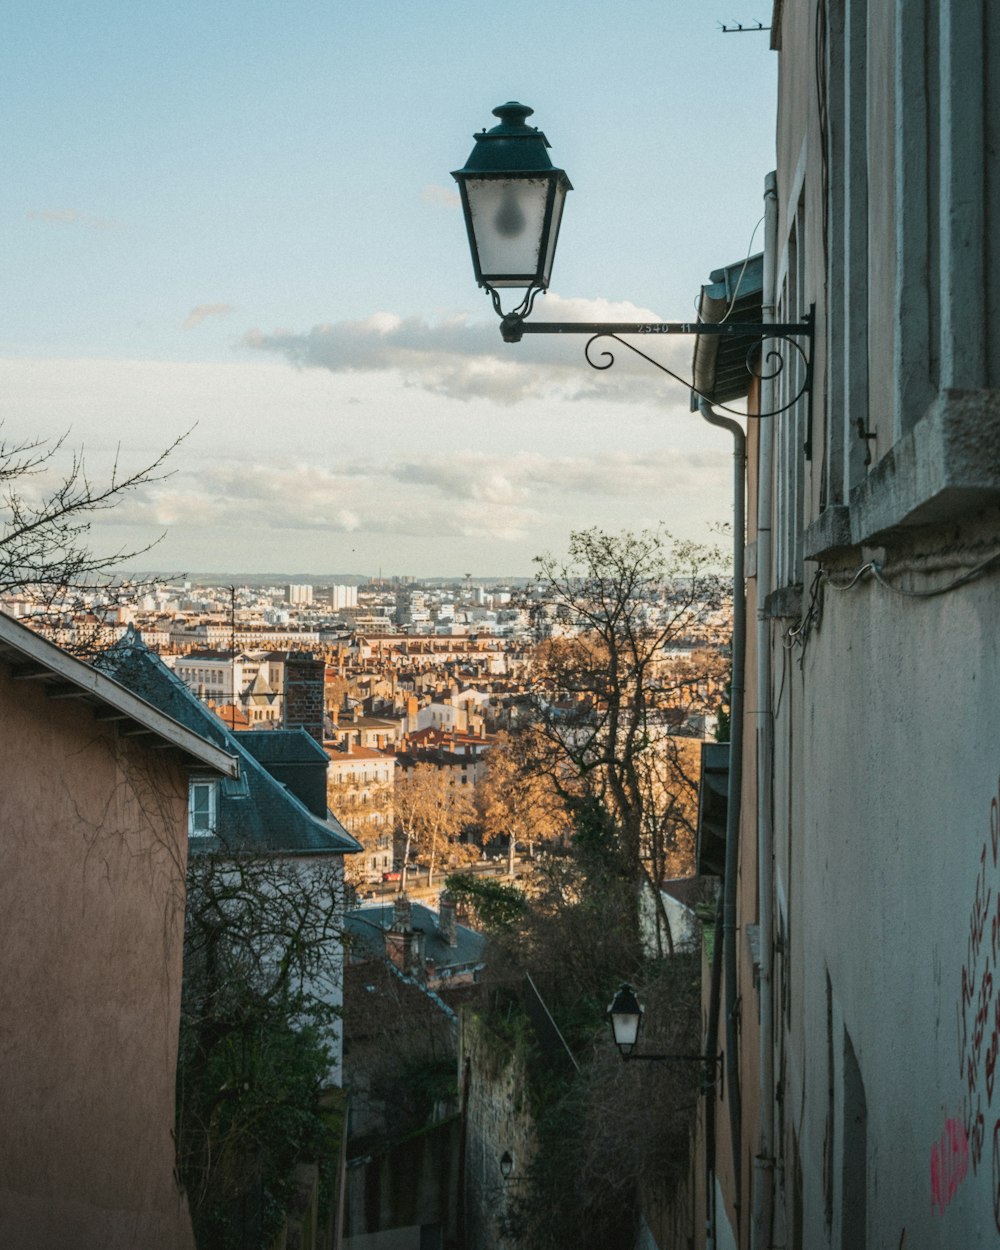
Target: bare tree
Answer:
pixel 431 812
pixel 45 518
pixel 262 970
pixel 516 800
pixel 634 666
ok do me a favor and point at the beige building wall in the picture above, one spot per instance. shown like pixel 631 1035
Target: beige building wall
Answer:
pixel 92 861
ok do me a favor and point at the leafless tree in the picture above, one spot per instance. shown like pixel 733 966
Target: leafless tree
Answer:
pixel 516 800
pixel 634 665
pixel 261 970
pixel 431 812
pixel 46 513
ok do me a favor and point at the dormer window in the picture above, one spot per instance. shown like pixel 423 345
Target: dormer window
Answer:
pixel 203 801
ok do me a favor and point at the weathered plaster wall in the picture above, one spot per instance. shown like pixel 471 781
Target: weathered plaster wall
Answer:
pixel 92 858
pixel 498 1120
pixel 895 859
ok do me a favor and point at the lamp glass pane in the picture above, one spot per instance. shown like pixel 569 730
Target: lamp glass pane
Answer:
pixel 508 221
pixel 559 199
pixel 626 1028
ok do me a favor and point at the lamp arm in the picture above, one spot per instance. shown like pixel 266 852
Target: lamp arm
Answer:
pixel 672 1058
pixel 513 326
pixel 708 1062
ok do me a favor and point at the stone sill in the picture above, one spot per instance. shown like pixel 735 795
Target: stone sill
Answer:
pixel 946 467
pixel 784 603
pixel 831 531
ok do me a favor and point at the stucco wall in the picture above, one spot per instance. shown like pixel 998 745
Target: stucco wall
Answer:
pixel 92 865
pixel 894 862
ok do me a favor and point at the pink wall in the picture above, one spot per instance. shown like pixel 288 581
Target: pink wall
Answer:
pixel 93 850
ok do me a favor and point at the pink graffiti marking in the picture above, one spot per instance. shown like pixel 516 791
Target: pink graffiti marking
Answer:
pixel 949 1164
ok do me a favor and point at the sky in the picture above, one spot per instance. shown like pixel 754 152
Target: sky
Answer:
pixel 236 222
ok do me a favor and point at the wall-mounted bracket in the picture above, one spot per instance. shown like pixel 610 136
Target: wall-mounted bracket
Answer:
pixel 763 362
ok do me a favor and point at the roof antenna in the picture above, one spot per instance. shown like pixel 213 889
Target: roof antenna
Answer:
pixel 740 29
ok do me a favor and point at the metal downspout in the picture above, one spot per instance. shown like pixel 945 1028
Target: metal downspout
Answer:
pixel 735 786
pixel 763 1195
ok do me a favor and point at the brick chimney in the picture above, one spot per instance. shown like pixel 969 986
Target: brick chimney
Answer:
pixel 404 946
pixel 303 702
pixel 447 926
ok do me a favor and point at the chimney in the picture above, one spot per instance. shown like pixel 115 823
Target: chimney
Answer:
pixel 403 946
pixel 303 701
pixel 447 926
pixel 402 916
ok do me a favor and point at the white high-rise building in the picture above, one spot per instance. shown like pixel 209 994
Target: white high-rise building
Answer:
pixel 343 597
pixel 299 594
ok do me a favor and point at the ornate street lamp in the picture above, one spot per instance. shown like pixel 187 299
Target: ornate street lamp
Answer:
pixel 513 197
pixel 625 1016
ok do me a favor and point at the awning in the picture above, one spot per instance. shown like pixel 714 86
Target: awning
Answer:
pixel 720 364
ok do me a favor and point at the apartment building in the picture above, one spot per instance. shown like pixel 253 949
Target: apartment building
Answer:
pixel 864 880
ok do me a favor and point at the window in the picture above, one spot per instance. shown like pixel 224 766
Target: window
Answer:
pixel 202 808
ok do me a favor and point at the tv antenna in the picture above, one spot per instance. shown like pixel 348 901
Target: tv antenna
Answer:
pixel 740 29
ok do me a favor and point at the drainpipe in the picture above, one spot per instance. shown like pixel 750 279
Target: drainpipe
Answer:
pixel 763 1190
pixel 735 784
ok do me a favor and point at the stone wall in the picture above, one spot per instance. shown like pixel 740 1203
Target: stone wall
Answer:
pixel 498 1122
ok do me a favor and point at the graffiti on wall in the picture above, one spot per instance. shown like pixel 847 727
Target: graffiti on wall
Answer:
pixel 949 1164
pixel 964 1140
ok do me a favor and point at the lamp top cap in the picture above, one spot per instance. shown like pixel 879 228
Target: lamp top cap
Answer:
pixel 625 1001
pixel 512 115
pixel 512 147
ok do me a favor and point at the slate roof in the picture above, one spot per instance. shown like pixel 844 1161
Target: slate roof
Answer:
pixel 368 925
pixel 283 746
pixel 256 812
pixel 35 659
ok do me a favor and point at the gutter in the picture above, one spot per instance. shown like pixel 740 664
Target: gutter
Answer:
pixel 729 929
pixel 763 1191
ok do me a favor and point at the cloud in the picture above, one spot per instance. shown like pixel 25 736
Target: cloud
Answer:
pixel 72 217
pixel 59 216
pixel 197 315
pixel 462 495
pixel 502 479
pixel 462 358
pixel 443 197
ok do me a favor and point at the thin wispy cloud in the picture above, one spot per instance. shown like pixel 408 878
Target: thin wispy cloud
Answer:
pixel 466 494
pixel 54 216
pixel 197 315
pixel 72 217
pixel 464 358
pixel 444 197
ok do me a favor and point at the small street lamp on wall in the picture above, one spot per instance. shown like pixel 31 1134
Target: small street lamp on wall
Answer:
pixel 513 199
pixel 625 1015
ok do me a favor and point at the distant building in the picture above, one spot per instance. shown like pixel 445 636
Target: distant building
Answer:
pixel 298 595
pixel 343 597
pixel 360 789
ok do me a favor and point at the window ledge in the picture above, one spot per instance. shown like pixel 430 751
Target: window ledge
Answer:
pixel 948 464
pixel 784 603
pixel 831 531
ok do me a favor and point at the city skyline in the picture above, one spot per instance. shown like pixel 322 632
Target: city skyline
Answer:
pixel 185 184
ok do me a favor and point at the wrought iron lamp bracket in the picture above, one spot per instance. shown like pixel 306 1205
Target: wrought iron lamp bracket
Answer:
pixel 714 1073
pixel 766 365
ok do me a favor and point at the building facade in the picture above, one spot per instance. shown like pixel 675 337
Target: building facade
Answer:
pixel 867 924
pixel 94 818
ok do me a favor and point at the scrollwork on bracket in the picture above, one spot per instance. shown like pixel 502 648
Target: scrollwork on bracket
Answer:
pixel 775 359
